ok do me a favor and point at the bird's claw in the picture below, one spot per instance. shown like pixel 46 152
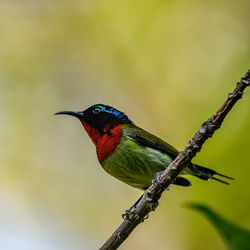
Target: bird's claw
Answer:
pixel 157 179
pixel 157 176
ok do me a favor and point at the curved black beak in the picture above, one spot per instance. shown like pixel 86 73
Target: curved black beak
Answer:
pixel 72 113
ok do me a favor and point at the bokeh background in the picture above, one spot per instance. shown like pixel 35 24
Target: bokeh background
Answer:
pixel 168 64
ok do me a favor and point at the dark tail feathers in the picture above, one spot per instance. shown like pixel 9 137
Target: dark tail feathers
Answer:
pixel 207 174
pixel 180 181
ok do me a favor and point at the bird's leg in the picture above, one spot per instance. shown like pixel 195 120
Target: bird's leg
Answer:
pixel 131 209
pixel 157 178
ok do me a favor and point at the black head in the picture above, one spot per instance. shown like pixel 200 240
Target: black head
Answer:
pixel 100 116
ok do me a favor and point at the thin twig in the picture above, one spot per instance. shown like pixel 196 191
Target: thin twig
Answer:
pixel 149 200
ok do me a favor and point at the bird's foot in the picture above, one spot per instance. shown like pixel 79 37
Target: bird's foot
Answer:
pixel 157 179
pixel 157 176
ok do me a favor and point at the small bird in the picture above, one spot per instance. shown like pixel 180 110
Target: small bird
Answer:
pixel 128 152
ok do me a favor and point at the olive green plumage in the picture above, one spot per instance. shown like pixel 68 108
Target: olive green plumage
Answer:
pixel 139 156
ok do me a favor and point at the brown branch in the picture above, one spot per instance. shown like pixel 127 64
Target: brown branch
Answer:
pixel 149 200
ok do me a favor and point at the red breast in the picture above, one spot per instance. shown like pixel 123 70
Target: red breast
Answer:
pixel 105 143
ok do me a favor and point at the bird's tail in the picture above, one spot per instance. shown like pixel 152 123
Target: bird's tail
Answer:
pixel 207 174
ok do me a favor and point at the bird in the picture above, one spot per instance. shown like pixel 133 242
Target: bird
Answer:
pixel 130 153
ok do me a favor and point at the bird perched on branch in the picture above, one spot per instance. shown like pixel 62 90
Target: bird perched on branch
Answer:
pixel 128 152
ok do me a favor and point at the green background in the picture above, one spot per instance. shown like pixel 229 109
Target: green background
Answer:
pixel 168 64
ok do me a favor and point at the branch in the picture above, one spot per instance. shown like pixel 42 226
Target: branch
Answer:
pixel 149 200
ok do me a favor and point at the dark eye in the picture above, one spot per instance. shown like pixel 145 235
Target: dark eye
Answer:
pixel 96 110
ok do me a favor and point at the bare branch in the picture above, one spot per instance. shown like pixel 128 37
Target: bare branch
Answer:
pixel 149 200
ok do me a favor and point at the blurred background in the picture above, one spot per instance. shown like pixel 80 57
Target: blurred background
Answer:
pixel 168 64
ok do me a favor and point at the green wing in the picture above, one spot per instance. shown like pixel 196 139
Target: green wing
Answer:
pixel 146 139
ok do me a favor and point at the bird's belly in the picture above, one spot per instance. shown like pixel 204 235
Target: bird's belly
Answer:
pixel 134 164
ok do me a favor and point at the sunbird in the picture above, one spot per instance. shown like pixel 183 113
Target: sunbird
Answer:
pixel 128 152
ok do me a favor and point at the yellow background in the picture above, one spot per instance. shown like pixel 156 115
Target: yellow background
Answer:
pixel 168 64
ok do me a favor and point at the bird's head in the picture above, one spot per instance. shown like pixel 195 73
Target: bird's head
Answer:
pixel 98 119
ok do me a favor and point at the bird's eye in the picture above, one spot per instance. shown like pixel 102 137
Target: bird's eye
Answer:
pixel 96 110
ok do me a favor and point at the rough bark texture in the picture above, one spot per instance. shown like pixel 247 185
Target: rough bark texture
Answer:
pixel 149 200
